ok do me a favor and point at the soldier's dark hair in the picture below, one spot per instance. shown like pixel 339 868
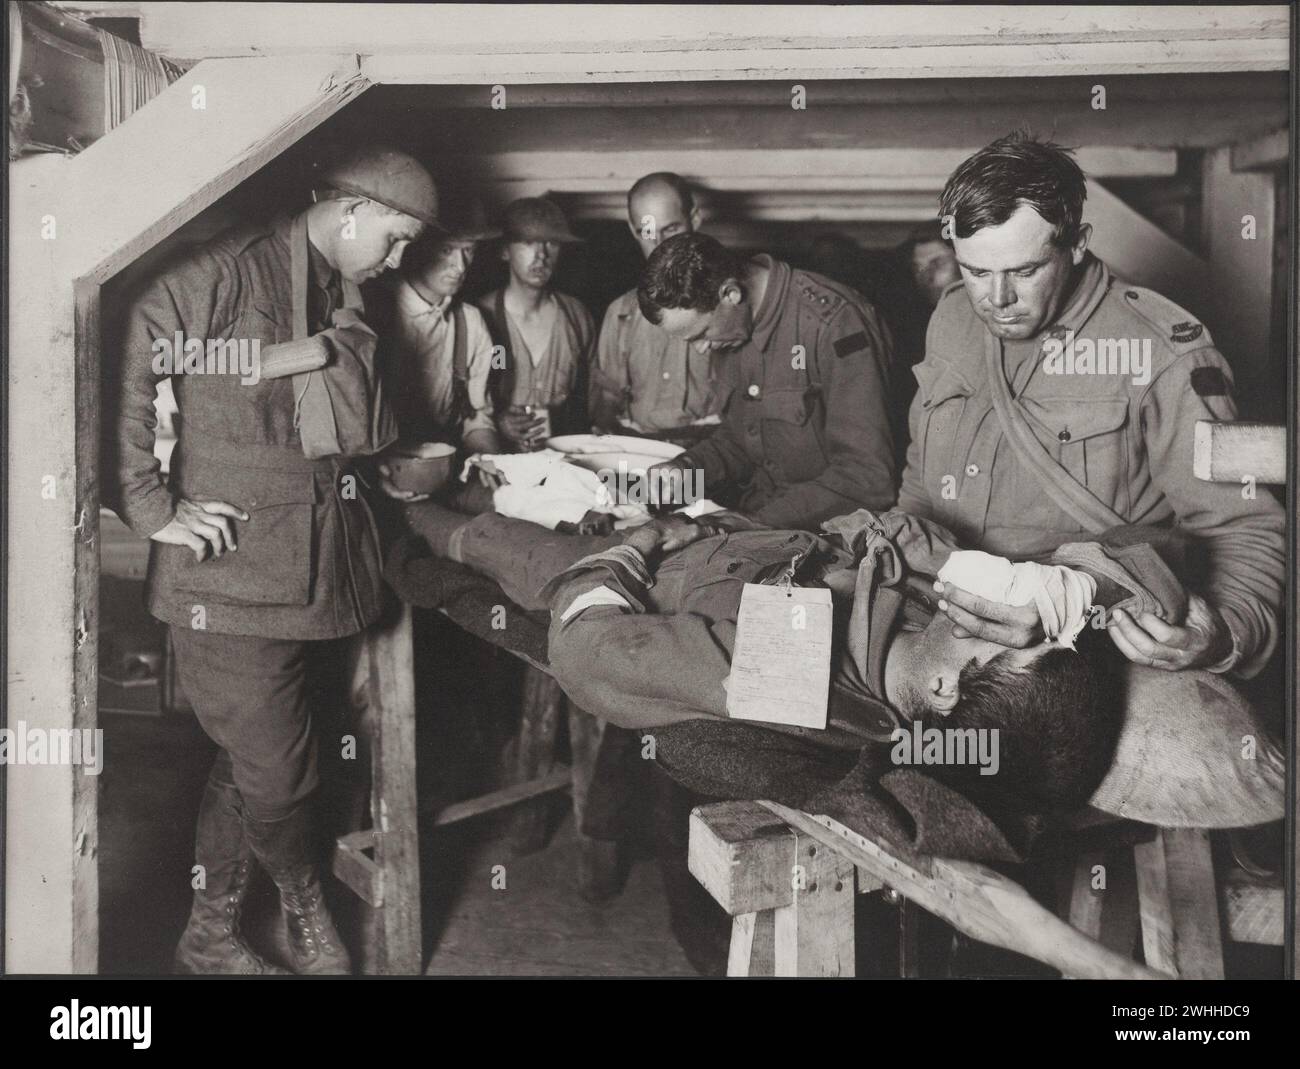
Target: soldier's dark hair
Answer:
pixel 1017 169
pixel 686 271
pixel 1058 720
pixel 675 182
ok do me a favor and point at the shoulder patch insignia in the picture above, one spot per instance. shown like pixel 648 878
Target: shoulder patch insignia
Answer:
pixel 1209 382
pixel 850 343
pixel 1186 331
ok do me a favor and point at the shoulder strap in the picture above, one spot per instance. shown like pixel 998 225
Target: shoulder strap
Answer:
pixel 461 406
pixel 298 274
pixel 569 316
pixel 298 268
pixel 501 381
pixel 1071 495
pixel 574 416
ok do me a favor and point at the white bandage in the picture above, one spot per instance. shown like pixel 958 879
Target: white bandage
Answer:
pixel 602 595
pixel 1063 596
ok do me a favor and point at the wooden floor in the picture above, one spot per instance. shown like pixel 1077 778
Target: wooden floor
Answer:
pixel 538 924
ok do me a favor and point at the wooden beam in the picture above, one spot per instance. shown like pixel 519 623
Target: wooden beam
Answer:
pixel 814 935
pixel 753 944
pixel 559 779
pixel 539 723
pixel 1179 905
pixel 1172 100
pixel 51 887
pixel 796 65
pixel 1238 223
pixel 923 169
pixel 573 40
pixel 742 856
pixel 1268 150
pixel 176 159
pixel 387 671
pixel 1138 250
pixel 357 870
pixel 1233 452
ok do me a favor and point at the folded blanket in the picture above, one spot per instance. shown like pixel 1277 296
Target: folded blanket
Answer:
pixel 911 812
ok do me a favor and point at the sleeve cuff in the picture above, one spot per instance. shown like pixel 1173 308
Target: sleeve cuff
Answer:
pixel 1234 656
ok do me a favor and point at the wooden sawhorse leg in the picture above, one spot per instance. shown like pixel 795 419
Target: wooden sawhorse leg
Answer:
pixel 599 860
pixel 1178 903
pixel 381 864
pixel 790 898
pixel 534 756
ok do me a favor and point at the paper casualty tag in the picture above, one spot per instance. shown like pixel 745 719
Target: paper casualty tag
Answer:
pixel 781 662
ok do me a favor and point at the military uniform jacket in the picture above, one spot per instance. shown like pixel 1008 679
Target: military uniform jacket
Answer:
pixel 308 563
pixel 670 384
pixel 805 433
pixel 1122 430
pixel 645 651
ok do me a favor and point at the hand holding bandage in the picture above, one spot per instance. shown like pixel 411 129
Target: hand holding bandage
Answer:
pixel 1059 597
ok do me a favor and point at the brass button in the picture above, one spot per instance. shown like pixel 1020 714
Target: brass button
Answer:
pixel 753 390
pixel 1064 436
pixel 972 470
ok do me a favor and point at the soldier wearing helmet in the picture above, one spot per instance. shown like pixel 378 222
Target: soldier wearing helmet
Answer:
pixel 543 338
pixel 264 549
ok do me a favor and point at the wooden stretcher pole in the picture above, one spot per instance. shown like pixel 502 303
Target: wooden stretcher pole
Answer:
pixel 980 902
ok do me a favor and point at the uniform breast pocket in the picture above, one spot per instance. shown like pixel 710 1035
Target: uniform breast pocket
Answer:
pixel 944 397
pixel 1089 439
pixel 273 565
pixel 718 577
pixel 266 318
pixel 790 432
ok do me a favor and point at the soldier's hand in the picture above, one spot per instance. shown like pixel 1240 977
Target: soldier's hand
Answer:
pixel 390 488
pixel 731 521
pixel 679 532
pixel 1017 626
pixel 645 539
pixel 521 429
pixel 1204 638
pixel 203 526
pixel 668 533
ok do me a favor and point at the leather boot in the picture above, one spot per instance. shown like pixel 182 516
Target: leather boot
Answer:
pixel 284 847
pixel 211 942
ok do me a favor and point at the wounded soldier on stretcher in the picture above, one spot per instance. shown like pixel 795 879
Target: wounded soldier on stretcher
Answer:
pixel 643 628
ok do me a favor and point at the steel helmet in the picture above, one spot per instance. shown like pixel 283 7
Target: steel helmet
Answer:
pixel 386 176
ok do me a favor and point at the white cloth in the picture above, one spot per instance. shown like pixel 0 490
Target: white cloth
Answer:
pixel 701 507
pixel 1063 596
pixel 545 488
pixel 602 595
